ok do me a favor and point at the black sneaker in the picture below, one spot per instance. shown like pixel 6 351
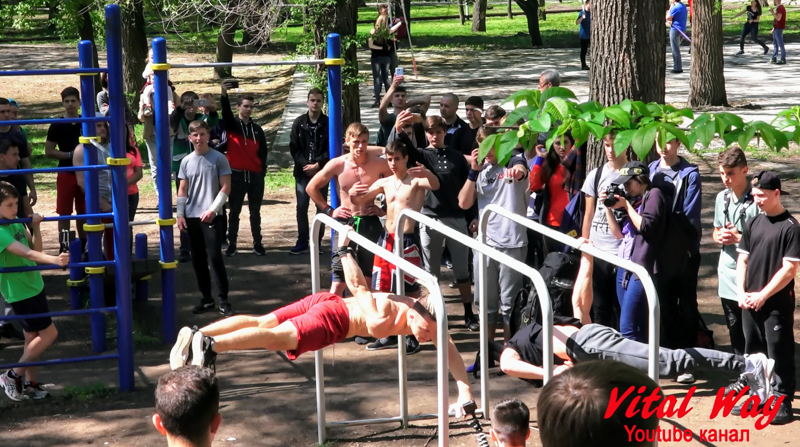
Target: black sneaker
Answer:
pixel 784 413
pixel 13 387
pixel 203 351
pixel 299 249
pixel 737 386
pixel 412 345
pixel 741 52
pixel 203 307
pixel 471 322
pixel 361 340
pixel 737 409
pixel 179 355
pixel 584 67
pixel 376 104
pixel 258 249
pixel 224 246
pixel 677 71
pixel 766 50
pixel 773 61
pixel 781 62
pixel 34 391
pixel 231 250
pixel 383 343
pixel 225 309
pixel 10 332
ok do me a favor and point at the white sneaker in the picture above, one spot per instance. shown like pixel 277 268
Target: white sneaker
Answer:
pixel 179 356
pixel 757 377
pixel 35 391
pixel 12 387
pixel 685 378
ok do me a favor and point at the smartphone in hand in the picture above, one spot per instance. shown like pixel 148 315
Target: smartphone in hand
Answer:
pixel 201 103
pixel 398 71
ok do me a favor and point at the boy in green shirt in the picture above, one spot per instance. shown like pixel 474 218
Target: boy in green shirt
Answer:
pixel 24 291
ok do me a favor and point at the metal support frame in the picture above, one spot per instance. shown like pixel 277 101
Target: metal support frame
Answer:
pixel 484 251
pixel 247 64
pixel 647 281
pixel 442 335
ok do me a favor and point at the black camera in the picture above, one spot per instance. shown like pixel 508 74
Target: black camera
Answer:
pixel 611 191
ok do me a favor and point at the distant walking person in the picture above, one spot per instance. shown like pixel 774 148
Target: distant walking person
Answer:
pixel 778 25
pixel 585 23
pixel 677 19
pixel 753 11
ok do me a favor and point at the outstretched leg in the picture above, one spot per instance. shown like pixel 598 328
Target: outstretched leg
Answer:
pixel 232 324
pixel 280 338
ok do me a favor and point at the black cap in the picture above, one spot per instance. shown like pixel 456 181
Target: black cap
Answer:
pixel 631 169
pixel 768 180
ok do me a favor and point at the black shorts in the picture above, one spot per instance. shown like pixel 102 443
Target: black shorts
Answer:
pixel 370 227
pixel 32 306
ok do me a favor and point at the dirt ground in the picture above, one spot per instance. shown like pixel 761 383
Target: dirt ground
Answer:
pixel 270 401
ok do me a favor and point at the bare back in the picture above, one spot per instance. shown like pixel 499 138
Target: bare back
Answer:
pixel 351 173
pixel 399 306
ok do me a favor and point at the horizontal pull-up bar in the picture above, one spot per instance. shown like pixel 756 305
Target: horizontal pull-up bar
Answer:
pixel 247 64
pixel 56 169
pixel 60 218
pixel 65 313
pixel 80 119
pixel 34 268
pixel 57 71
pixel 135 223
pixel 92 358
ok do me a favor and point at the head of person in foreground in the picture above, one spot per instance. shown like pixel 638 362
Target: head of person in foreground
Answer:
pixel 510 424
pixel 187 406
pixel 572 407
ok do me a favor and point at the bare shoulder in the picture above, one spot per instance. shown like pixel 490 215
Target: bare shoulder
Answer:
pixel 399 299
pixel 337 164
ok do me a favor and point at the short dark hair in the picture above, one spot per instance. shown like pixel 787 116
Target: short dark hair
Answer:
pixel 246 97
pixel 396 146
pixel 187 400
pixel 4 102
pixel 7 144
pixel 199 124
pixel 70 91
pixel 484 133
pixel 315 91
pixel 435 121
pixel 474 101
pixel 8 191
pixel 104 80
pixel 571 407
pixel 495 112
pixel 400 89
pixel 188 95
pixel 510 421
pixel 733 157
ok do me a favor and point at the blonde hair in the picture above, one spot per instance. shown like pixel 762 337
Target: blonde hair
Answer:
pixel 355 130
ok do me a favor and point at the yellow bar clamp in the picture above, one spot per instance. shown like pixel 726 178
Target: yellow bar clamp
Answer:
pixel 155 67
pixel 78 283
pixel 118 161
pixel 97 227
pixel 166 222
pixel 95 270
pixel 94 73
pixel 334 61
pixel 168 265
pixel 87 140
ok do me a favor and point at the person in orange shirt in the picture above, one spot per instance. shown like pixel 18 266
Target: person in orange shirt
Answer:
pixel 548 174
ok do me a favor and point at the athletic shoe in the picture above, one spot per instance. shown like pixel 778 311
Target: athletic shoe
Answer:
pixel 203 351
pixel 376 104
pixel 737 409
pixel 784 413
pixel 203 307
pixel 35 391
pixel 737 386
pixel 471 322
pixel 774 61
pixel 258 250
pixel 766 50
pixel 685 379
pixel 299 249
pixel 12 387
pixel 585 67
pixel 224 246
pixel 11 333
pixel 179 355
pixel 383 343
pixel 225 309
pixel 759 379
pixel 360 340
pixel 782 62
pixel 677 71
pixel 231 250
pixel 412 345
pixel 741 52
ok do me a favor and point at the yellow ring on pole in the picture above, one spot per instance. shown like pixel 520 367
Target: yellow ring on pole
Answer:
pixel 168 265
pixel 95 270
pixel 118 161
pixel 166 222
pixel 146 278
pixel 97 227
pixel 78 283
pixel 86 140
pixel 155 67
pixel 93 73
pixel 334 61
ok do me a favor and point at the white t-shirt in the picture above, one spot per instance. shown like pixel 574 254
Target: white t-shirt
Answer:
pixel 600 233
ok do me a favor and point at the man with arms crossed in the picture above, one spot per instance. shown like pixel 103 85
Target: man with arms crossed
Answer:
pixel 321 320
pixel 359 166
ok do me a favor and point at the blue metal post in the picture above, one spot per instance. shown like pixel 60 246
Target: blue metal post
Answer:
pixel 119 198
pixel 141 253
pixel 92 188
pixel 335 131
pixel 75 274
pixel 164 181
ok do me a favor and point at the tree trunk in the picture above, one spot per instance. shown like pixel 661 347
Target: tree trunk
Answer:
pixel 542 10
pixel 134 47
pixel 224 45
pixel 625 64
pixel 530 8
pixel 461 18
pixel 479 16
pixel 52 15
pixel 707 81
pixel 246 38
pixel 510 14
pixel 86 32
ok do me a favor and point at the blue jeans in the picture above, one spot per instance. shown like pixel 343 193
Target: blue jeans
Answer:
pixel 380 74
pixel 675 40
pixel 777 41
pixel 633 307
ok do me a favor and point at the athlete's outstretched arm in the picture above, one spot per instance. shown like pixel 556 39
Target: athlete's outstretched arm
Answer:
pixel 379 315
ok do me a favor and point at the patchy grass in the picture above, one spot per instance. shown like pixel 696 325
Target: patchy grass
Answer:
pixel 88 392
pixel 280 181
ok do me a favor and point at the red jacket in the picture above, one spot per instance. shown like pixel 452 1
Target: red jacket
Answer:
pixel 247 144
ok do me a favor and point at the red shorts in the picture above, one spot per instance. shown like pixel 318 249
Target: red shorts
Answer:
pixel 321 320
pixel 384 272
pixel 67 192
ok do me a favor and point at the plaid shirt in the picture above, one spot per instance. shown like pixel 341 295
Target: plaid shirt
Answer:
pixel 575 164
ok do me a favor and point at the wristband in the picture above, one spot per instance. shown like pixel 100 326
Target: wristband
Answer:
pixel 473 175
pixel 181 212
pixel 329 210
pixel 219 202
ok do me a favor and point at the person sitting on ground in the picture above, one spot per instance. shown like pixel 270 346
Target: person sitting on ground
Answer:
pixel 510 427
pixel 24 291
pixel 571 409
pixel 187 407
pixel 321 320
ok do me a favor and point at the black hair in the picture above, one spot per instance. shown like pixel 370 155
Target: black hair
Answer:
pixel 70 91
pixel 246 97
pixel 188 95
pixel 8 191
pixel 396 146
pixel 510 421
pixel 6 145
pixel 187 400
pixel 315 91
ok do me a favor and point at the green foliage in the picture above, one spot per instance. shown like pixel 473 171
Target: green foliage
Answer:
pixel 67 21
pixel 88 392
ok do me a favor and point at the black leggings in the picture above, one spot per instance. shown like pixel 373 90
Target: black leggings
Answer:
pixel 206 246
pixel 584 50
pixel 752 29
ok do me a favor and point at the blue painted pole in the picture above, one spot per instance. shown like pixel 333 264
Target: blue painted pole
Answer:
pixel 92 188
pixel 75 274
pixel 141 253
pixel 119 198
pixel 335 131
pixel 164 181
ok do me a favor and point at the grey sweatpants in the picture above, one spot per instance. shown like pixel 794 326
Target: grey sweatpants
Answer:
pixel 596 342
pixel 502 284
pixel 432 248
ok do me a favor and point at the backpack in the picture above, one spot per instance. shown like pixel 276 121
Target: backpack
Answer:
pixel 559 272
pixel 572 219
pixel 679 238
pixel 748 200
pixel 402 32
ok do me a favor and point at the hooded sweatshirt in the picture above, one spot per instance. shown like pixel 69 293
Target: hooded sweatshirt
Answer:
pixel 247 144
pixel 685 178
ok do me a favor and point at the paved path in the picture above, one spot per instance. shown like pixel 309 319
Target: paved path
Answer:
pixel 750 79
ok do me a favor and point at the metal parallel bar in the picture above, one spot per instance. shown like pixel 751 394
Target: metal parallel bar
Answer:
pixel 402 370
pixel 60 218
pixel 56 71
pixel 52 170
pixel 247 64
pixel 93 358
pixel 441 321
pixel 135 223
pixel 641 272
pixel 65 313
pixel 84 119
pixel 119 198
pixel 34 268
pixel 485 250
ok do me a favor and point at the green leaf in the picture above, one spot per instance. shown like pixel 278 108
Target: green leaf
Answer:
pixel 774 138
pixel 669 129
pixel 590 106
pixel 599 118
pixel 618 116
pixel 705 133
pixel 526 95
pixel 557 92
pixel 622 140
pixel 746 136
pixel 505 147
pixel 597 130
pixel 730 119
pixel 558 108
pixel 655 109
pixel 641 108
pixel 700 120
pixel 720 126
pixel 580 132
pixel 487 145
pixel 643 140
pixel 543 124
pixel 626 105
pixel 731 137
pixel 520 113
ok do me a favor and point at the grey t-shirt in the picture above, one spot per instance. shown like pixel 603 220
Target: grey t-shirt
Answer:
pixel 600 233
pixel 203 173
pixel 104 176
pixel 494 188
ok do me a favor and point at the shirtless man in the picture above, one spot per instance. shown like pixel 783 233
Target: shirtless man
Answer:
pixel 321 320
pixel 358 166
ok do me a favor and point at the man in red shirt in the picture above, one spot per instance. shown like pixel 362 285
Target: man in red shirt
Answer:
pixel 778 25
